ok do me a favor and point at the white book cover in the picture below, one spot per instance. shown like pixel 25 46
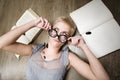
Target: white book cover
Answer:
pixel 96 18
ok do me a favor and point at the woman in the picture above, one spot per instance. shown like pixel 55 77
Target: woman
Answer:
pixel 49 61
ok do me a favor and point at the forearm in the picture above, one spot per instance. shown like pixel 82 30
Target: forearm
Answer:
pixel 11 36
pixel 95 65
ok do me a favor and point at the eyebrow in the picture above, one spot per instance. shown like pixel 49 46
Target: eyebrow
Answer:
pixel 64 32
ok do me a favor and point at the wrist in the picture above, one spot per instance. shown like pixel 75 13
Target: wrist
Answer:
pixel 31 24
pixel 84 46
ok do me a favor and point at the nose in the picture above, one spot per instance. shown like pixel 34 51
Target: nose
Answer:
pixel 57 37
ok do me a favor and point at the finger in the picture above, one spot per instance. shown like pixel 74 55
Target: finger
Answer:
pixel 78 41
pixel 47 27
pixel 40 19
pixel 73 40
pixel 40 23
pixel 45 23
pixel 69 40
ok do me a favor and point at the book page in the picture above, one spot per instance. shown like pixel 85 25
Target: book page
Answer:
pixel 30 34
pixel 104 39
pixel 29 15
pixel 23 39
pixel 91 16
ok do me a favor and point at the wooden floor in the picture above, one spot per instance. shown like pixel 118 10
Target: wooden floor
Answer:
pixel 11 10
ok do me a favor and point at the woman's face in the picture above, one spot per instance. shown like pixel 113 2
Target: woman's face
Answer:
pixel 61 28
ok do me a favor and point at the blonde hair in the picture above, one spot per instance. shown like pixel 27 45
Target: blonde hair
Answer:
pixel 68 21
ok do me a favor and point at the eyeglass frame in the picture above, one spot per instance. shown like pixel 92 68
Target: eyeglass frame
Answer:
pixel 58 35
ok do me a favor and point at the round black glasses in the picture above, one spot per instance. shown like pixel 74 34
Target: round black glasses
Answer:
pixel 62 37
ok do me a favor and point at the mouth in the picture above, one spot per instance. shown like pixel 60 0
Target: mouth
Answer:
pixel 56 40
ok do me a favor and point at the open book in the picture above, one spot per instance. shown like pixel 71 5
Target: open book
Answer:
pixel 30 35
pixel 98 27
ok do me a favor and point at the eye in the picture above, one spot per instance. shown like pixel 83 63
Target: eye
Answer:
pixel 64 33
pixel 52 33
pixel 57 29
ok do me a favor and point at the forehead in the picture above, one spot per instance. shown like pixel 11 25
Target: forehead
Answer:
pixel 62 26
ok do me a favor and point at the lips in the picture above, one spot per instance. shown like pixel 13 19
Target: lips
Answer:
pixel 56 40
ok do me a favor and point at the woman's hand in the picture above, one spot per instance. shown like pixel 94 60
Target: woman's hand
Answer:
pixel 94 68
pixel 42 23
pixel 76 41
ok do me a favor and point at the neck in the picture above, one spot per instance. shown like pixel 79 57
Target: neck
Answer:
pixel 53 49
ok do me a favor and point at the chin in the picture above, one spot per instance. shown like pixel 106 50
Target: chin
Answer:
pixel 56 43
